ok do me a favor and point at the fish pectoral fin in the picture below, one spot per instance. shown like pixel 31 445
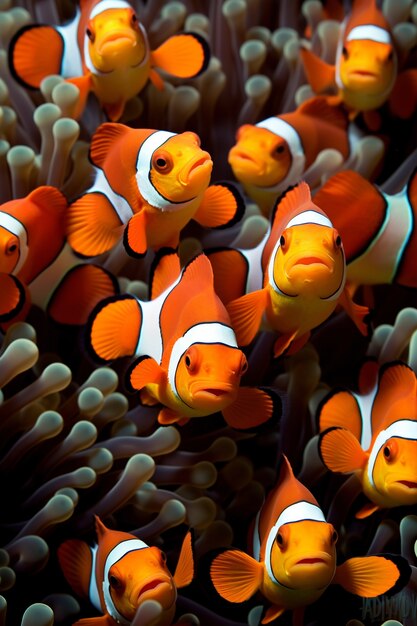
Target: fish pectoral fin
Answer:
pixel 371 576
pixel 167 268
pixel 184 55
pixel 13 297
pixel 84 85
pixel 156 80
pixel 36 53
pixel 320 75
pixel 222 206
pixel 145 371
pixel 367 510
pixel 403 99
pixel 115 110
pixel 230 269
pixel 252 407
pixel 236 575
pixel 184 572
pixel 75 559
pixel 340 409
pixel 356 312
pixel 272 612
pixel 147 399
pixel 246 315
pixel 93 226
pixel 91 283
pixel 168 416
pixel 114 327
pixel 104 620
pixel 341 451
pixel 297 344
pixel 134 237
pixel 283 343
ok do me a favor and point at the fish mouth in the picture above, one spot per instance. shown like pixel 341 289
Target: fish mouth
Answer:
pixel 151 585
pixel 311 260
pixel 310 561
pixel 197 169
pixel 410 484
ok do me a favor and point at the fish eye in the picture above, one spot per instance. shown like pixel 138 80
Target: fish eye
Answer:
pixel 163 556
pixel 115 582
pixel 280 539
pixel 134 20
pixel 282 241
pixel 345 52
pixel 188 361
pixel 244 366
pixel 90 35
pixel 162 162
pixel 280 149
pixel 387 452
pixel 11 249
pixel 334 536
pixel 338 241
pixel 390 56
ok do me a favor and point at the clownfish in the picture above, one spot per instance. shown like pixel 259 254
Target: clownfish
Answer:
pixel 383 250
pixel 104 50
pixel 279 151
pixel 365 69
pixel 121 572
pixel 37 267
pixel 294 556
pixel 374 435
pixel 163 184
pixel 186 355
pixel 292 281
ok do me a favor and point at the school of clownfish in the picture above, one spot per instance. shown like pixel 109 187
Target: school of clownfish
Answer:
pixel 238 275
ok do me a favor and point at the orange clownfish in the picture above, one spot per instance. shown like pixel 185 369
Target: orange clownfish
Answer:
pixel 374 435
pixel 277 152
pixel 163 184
pixel 365 68
pixel 383 250
pixel 37 267
pixel 294 556
pixel 121 572
pixel 104 50
pixel 292 281
pixel 186 353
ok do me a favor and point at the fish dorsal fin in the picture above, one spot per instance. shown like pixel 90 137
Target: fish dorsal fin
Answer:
pixel 165 271
pixel 371 576
pixel 184 571
pixel 396 395
pixel 236 575
pixel 104 139
pixel 75 559
pixel 290 203
pixel 341 451
pixel 350 189
pixel 340 409
pixel 320 108
pixel 49 198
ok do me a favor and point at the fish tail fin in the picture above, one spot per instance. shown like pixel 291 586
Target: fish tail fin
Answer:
pixel 340 451
pixel 166 268
pixel 236 575
pixel 114 327
pixel 253 407
pixel 93 226
pixel 35 52
pixel 222 206
pixel 230 269
pixel 75 559
pixel 320 75
pixel 371 576
pixel 81 289
pixel 185 55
